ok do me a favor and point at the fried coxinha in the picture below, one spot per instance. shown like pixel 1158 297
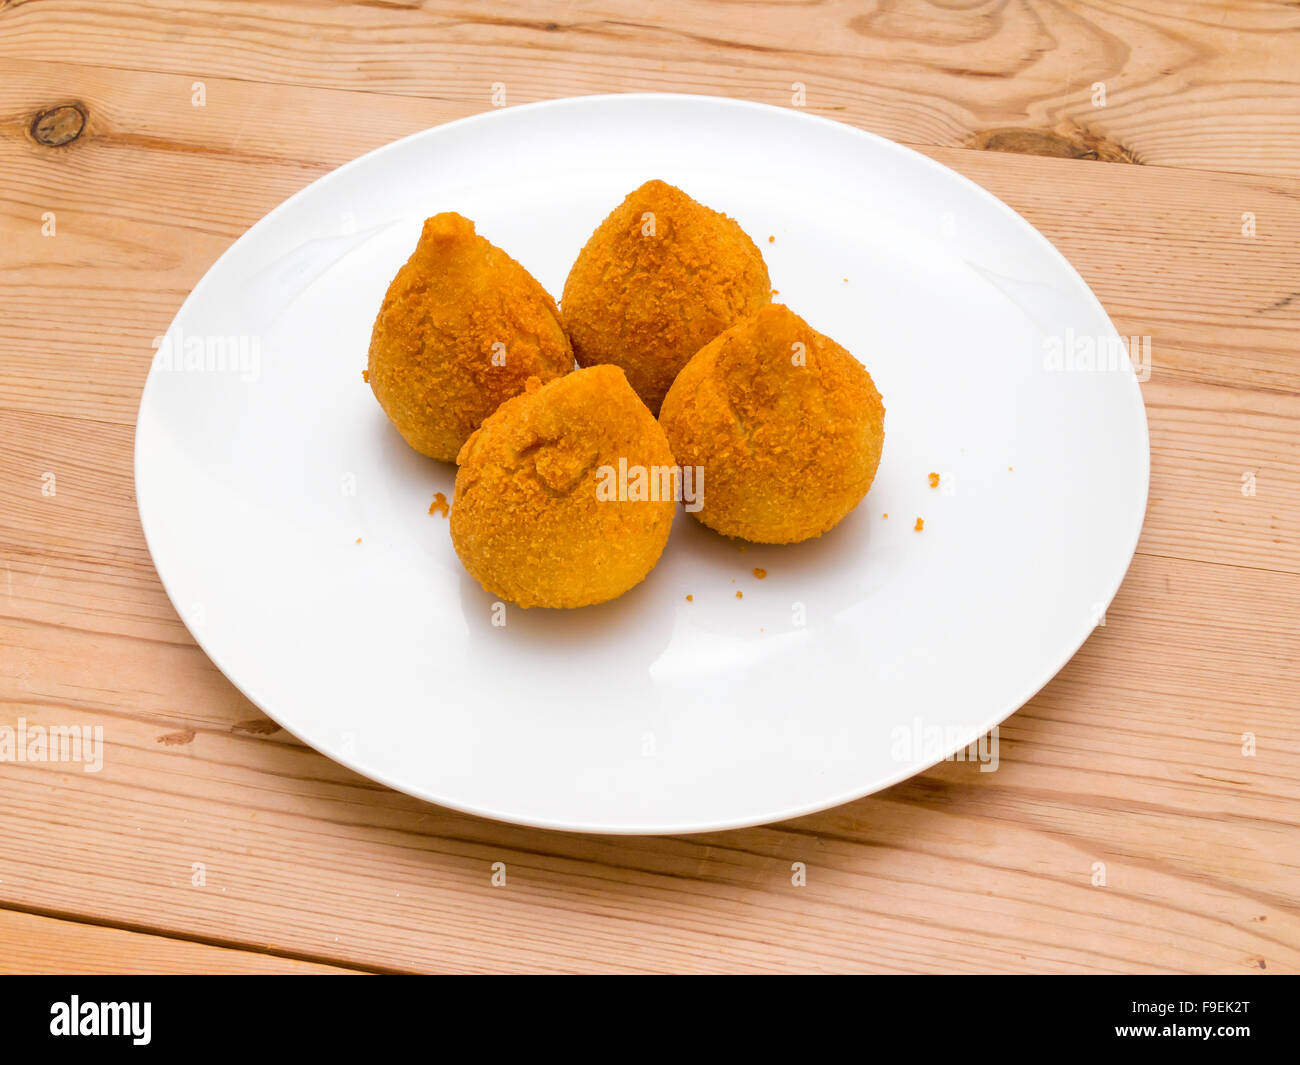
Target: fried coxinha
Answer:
pixel 788 426
pixel 658 279
pixel 530 521
pixel 667 306
pixel 462 328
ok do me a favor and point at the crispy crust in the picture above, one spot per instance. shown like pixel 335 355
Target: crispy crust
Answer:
pixel 527 520
pixel 649 300
pixel 788 447
pixel 462 327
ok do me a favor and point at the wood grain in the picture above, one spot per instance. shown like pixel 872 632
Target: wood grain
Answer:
pixel 1132 756
pixel 1188 83
pixel 34 944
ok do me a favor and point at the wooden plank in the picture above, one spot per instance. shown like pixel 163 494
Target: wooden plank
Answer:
pixel 35 944
pixel 1225 475
pixel 1186 84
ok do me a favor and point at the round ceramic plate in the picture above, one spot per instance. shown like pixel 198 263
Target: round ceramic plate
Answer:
pixel 291 527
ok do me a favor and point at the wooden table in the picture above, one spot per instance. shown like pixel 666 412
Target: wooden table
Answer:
pixel 1177 195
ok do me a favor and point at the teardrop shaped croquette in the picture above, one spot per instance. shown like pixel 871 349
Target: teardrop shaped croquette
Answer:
pixel 533 520
pixel 658 279
pixel 462 327
pixel 787 425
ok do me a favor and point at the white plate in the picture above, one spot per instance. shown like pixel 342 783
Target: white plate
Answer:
pixel 862 658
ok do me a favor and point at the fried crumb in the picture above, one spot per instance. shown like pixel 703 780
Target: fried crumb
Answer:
pixel 1010 468
pixel 771 240
pixel 690 598
pixel 776 292
pixel 920 524
pixel 358 539
pixel 885 514
pixel 439 505
pixel 740 594
pixel 365 376
pixel 934 480
pixel 759 572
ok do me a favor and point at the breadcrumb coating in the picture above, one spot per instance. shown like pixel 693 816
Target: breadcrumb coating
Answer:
pixel 788 426
pixel 527 519
pixel 658 279
pixel 462 327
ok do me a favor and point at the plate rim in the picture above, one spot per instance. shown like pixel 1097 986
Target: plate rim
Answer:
pixel 353 763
